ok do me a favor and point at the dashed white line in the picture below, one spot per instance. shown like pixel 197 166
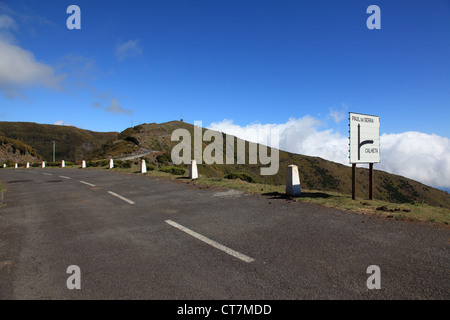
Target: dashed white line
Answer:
pixel 213 243
pixel 64 177
pixel 48 174
pixel 87 183
pixel 121 197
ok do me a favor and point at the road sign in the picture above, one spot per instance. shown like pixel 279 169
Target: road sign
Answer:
pixel 364 141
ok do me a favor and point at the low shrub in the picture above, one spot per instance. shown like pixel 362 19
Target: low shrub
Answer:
pixel 173 170
pixel 164 158
pixel 97 163
pixel 123 164
pixel 53 164
pixel 241 176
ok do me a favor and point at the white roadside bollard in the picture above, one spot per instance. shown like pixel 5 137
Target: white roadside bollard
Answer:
pixel 63 164
pixel 28 165
pixel 143 166
pixel 43 164
pixel 193 172
pixel 292 181
pixel 111 163
pixel 83 164
pixel 4 165
pixel 16 166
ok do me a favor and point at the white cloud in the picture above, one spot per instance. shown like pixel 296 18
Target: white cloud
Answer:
pixel 422 157
pixel 337 116
pixel 415 155
pixel 19 68
pixel 114 107
pixel 61 123
pixel 129 49
pixel 301 136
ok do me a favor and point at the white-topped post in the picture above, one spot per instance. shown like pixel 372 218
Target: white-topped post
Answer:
pixel 4 165
pixel 143 166
pixel 292 181
pixel 193 172
pixel 16 165
pixel 63 164
pixel 43 164
pixel 83 164
pixel 111 163
pixel 28 165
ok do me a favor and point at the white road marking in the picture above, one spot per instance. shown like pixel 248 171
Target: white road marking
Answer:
pixel 213 243
pixel 121 198
pixel 64 177
pixel 89 184
pixel 48 174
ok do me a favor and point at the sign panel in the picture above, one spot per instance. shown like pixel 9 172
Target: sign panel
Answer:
pixel 364 141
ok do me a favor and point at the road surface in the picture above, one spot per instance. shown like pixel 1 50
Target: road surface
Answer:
pixel 141 237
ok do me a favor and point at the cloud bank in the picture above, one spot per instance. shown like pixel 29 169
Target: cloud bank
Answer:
pixel 19 68
pixel 415 155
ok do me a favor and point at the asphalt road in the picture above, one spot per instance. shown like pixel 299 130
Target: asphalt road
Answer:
pixel 140 237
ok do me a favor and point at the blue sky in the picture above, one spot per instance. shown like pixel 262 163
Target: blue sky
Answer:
pixel 246 61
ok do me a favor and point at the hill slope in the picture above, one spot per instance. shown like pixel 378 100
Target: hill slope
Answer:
pixel 15 151
pixel 72 143
pixel 315 173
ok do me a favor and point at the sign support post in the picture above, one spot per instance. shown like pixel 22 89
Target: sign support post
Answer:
pixel 354 181
pixel 371 180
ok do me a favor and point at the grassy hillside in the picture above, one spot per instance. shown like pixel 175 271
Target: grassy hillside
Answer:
pixel 315 173
pixel 12 151
pixel 72 143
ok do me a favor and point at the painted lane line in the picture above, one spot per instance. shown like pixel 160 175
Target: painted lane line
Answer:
pixel 64 177
pixel 121 198
pixel 48 174
pixel 89 184
pixel 213 243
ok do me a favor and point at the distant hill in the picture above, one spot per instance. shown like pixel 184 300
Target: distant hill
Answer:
pixel 315 173
pixel 72 143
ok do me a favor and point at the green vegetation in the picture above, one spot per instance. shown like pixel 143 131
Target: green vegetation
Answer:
pixel 241 176
pixel 122 164
pixel 97 163
pixel 164 158
pixel 173 170
pixel 18 146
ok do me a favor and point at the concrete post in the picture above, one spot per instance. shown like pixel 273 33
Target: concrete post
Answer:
pixel 63 164
pixel 83 164
pixel 43 164
pixel 111 163
pixel 193 172
pixel 292 181
pixel 143 166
